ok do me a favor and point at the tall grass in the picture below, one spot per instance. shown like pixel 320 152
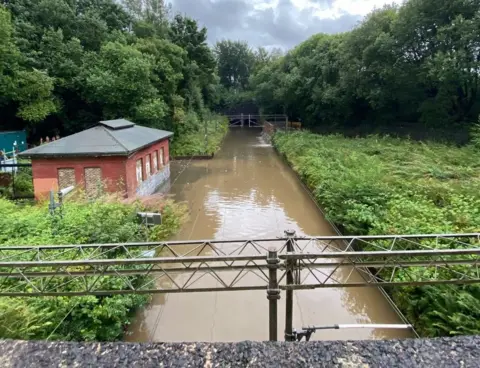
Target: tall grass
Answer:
pixel 381 185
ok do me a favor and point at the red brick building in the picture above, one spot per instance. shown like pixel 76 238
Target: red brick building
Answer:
pixel 114 156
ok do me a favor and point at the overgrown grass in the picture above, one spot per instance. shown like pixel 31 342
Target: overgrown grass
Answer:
pixel 88 318
pixel 392 186
pixel 199 137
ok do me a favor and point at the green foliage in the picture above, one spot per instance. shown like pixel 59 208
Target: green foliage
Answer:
pixel 475 135
pixel 29 89
pixel 380 185
pixel 69 64
pixel 88 318
pixel 199 137
pixel 416 63
pixel 235 62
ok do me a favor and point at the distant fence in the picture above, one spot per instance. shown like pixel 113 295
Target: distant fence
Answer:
pixel 8 161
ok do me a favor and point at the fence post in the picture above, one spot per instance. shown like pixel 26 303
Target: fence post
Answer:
pixel 289 293
pixel 273 293
pixel 242 120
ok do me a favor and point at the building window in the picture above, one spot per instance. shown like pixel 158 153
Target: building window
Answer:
pixel 148 167
pixel 93 181
pixel 139 171
pixel 155 161
pixel 66 177
pixel 162 158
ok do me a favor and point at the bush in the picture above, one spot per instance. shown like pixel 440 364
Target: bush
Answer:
pixel 21 185
pixel 392 186
pixel 192 140
pixel 88 318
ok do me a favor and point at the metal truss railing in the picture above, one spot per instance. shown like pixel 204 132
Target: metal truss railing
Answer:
pixel 316 261
pixel 287 263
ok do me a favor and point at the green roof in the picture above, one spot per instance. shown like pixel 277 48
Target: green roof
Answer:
pixel 110 138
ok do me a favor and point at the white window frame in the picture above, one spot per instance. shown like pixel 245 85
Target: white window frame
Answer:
pixel 139 170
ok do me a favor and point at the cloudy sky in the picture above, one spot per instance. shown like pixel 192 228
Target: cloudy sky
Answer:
pixel 275 23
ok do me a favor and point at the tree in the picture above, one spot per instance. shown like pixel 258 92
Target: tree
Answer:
pixel 199 70
pixel 418 64
pixel 119 78
pixel 30 90
pixel 235 63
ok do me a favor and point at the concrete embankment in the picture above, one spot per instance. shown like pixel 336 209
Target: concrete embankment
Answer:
pixel 445 352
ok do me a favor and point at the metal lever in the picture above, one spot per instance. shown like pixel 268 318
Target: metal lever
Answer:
pixel 308 331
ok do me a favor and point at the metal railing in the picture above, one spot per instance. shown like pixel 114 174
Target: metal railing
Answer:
pixel 251 120
pixel 288 263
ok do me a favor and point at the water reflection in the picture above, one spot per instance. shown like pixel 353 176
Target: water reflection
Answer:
pixel 247 191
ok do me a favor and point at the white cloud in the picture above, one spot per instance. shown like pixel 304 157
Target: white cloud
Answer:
pixel 273 23
pixel 335 8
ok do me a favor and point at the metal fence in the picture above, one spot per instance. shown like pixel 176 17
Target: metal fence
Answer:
pixel 252 121
pixel 279 264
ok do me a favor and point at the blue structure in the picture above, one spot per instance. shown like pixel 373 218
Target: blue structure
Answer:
pixel 8 139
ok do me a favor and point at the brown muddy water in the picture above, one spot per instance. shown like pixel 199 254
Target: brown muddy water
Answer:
pixel 247 192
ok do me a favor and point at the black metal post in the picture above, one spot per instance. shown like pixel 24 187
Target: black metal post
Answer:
pixel 273 293
pixel 289 293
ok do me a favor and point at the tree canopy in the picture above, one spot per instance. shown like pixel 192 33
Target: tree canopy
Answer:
pixel 418 63
pixel 66 64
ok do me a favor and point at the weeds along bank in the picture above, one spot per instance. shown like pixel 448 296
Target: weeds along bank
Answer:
pixel 391 186
pixel 200 137
pixel 88 318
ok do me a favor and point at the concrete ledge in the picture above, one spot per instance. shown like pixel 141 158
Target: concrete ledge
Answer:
pixel 445 352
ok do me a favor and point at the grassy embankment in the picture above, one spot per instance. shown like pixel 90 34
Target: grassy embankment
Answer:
pixel 392 186
pixel 191 139
pixel 88 318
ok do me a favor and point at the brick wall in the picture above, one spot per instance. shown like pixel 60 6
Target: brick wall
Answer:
pixel 118 172
pixel 149 182
pixel 45 172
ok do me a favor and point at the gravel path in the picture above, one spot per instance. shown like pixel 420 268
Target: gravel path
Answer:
pixel 451 352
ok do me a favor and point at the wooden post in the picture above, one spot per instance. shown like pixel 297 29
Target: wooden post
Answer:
pixel 273 293
pixel 289 293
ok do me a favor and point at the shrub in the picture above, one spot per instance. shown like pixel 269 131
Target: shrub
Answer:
pixel 192 141
pixel 88 318
pixel 380 185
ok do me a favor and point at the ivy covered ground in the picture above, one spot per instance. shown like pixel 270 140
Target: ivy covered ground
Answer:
pixel 88 318
pixel 392 186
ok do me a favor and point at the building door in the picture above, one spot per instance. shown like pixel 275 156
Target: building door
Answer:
pixel 66 178
pixel 93 181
